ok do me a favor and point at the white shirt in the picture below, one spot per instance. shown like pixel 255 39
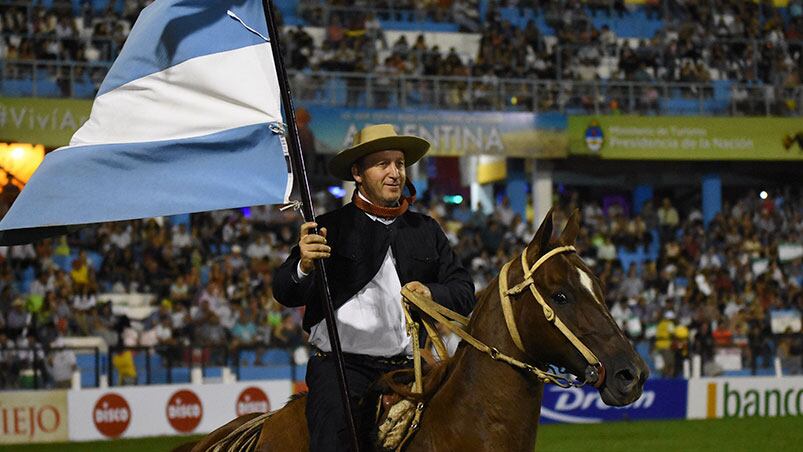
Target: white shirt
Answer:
pixel 182 240
pixel 84 302
pixel 372 321
pixel 63 365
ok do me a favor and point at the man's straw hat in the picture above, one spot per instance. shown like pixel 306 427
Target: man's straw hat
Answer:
pixel 380 137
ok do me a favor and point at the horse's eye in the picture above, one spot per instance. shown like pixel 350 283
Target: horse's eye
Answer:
pixel 560 298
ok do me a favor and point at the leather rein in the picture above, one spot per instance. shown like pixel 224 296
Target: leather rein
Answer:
pixel 595 372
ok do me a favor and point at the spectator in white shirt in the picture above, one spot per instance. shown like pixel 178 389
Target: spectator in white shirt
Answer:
pixel 121 236
pixel 62 364
pixel 259 249
pixel 182 239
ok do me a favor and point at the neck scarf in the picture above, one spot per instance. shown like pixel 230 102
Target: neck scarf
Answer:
pixel 385 212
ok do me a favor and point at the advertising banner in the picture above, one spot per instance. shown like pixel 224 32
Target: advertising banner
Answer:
pixel 33 417
pixel 127 412
pixel 745 396
pixel 451 133
pixel 686 138
pixel 661 399
pixel 51 122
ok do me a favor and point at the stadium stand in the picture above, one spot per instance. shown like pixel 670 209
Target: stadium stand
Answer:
pixel 735 58
pixel 652 265
pixel 183 292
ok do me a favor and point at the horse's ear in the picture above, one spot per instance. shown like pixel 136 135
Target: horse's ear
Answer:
pixel 569 234
pixel 540 241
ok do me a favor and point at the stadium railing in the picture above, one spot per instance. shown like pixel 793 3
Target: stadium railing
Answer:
pixel 33 367
pixel 371 90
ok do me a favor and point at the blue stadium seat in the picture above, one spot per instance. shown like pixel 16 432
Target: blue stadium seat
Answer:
pixel 678 106
pixel 265 373
pixel 159 376
pixel 86 364
pixel 95 258
pixel 139 363
pixel 643 349
pixel 632 25
pixel 722 97
pixel 213 372
pixel 289 9
pixel 83 89
pixel 276 356
pixel 512 15
pixel 27 277
pixel 419 26
pixel 18 88
pixel 301 372
pixel 205 274
pixel 180 374
pixel 64 262
pixel 626 257
pixel 247 357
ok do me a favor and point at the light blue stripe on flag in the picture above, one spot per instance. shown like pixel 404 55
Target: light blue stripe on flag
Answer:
pixel 141 180
pixel 169 32
pixel 184 125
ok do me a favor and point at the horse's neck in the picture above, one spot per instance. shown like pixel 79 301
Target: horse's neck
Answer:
pixel 489 399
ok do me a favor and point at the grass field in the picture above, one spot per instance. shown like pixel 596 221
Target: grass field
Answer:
pixel 721 435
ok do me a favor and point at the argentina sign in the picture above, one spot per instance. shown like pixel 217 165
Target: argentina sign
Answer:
pixel 451 133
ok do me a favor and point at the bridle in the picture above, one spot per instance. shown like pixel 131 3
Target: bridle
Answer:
pixel 594 373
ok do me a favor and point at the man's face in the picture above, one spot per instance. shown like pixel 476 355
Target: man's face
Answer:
pixel 381 177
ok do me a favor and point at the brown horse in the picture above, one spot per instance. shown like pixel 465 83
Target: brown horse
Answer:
pixel 477 403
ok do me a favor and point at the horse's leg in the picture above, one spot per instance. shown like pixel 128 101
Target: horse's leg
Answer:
pixel 286 430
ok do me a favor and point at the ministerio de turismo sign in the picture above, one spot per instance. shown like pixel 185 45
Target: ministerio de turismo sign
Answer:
pixel 686 138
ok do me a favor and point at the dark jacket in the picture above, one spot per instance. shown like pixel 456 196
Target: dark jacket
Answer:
pixel 359 245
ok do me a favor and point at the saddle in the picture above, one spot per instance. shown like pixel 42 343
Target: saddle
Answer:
pixel 397 419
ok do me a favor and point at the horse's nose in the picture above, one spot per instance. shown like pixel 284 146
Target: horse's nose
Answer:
pixel 627 378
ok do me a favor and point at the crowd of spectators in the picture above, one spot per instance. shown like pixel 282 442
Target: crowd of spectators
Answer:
pixel 749 42
pixel 714 285
pixel 37 33
pixel 711 286
pixel 462 12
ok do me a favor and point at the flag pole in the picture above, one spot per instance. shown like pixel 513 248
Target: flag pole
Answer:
pixel 300 174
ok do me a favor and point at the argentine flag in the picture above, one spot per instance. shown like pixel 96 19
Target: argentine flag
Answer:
pixel 188 119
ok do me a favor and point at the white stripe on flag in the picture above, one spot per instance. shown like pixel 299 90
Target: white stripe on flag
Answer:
pixel 198 97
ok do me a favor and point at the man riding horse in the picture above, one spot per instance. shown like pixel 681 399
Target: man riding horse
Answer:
pixel 374 246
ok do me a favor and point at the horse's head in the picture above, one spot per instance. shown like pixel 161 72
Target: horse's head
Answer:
pixel 581 329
